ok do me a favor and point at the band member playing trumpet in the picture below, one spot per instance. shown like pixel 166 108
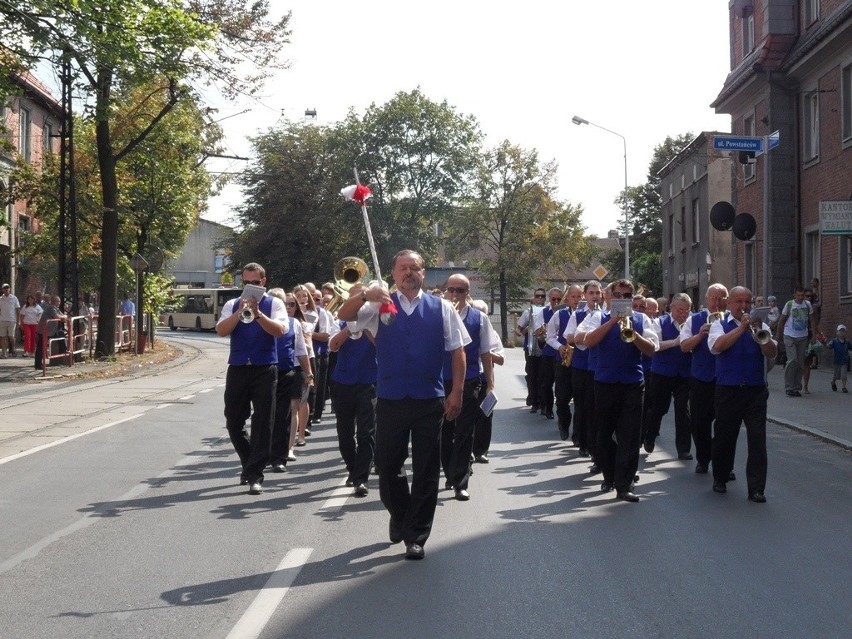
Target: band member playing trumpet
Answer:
pixel 702 382
pixel 457 434
pixel 619 387
pixel 252 374
pixel 741 392
pixel 411 400
pixel 669 378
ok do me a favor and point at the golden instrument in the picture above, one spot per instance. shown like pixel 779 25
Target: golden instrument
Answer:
pixel 626 332
pixel 347 273
pixel 247 315
pixel 713 317
pixel 567 354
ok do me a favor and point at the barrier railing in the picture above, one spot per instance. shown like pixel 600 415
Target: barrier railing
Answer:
pixel 124 333
pixel 78 337
pixel 55 347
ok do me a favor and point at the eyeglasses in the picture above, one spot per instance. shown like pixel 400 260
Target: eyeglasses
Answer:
pixel 539 295
pixel 456 289
pixel 622 296
pixel 254 282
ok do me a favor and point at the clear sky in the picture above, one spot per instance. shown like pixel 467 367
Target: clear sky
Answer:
pixel 643 68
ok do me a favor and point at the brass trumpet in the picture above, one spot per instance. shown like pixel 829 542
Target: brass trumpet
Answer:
pixel 247 315
pixel 713 317
pixel 626 332
pixel 760 335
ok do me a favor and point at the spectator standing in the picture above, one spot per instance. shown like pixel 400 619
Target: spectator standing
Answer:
pixel 30 315
pixel 841 348
pixel 796 320
pixel 9 317
pixel 51 312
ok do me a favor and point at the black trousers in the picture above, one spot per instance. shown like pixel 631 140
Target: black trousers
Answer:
pixel 251 389
pixel 658 399
pixel 563 391
pixel 736 405
pixel 531 369
pixel 546 378
pixel 281 425
pixel 583 387
pixel 617 454
pixel 320 385
pixel 457 436
pixel 484 425
pixel 701 414
pixel 398 421
pixel 355 410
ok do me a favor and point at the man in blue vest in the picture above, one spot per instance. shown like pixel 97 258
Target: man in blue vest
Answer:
pixel 702 383
pixel 532 347
pixel 252 375
pixel 619 387
pixel 670 379
pixel 741 392
pixel 411 405
pixel 457 434
pixel 354 402
pixel 549 355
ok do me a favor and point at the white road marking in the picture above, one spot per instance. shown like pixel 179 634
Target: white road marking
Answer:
pixel 255 618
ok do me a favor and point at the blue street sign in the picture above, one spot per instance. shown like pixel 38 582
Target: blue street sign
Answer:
pixel 772 141
pixel 742 143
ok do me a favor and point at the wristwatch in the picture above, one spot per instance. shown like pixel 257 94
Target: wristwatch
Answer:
pixel 363 295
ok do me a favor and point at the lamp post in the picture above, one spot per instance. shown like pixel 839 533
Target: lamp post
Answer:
pixel 578 120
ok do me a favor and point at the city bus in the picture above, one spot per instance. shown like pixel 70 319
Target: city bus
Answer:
pixel 198 308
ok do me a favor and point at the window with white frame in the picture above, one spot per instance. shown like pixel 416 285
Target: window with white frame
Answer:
pixel 846 102
pixel 748 34
pixel 24 133
pixel 696 221
pixel 810 126
pixel 47 137
pixel 748 129
pixel 811 11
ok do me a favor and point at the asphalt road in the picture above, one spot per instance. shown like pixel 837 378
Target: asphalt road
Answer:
pixel 131 524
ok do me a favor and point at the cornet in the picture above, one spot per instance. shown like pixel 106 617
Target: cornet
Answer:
pixel 247 315
pixel 625 328
pixel 760 335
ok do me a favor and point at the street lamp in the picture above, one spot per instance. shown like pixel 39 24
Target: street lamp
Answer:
pixel 578 120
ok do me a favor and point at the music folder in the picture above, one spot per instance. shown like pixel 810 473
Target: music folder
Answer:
pixel 488 404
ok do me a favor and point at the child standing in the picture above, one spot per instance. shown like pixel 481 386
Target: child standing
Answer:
pixel 841 347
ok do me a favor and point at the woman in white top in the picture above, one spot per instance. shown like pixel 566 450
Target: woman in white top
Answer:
pixel 30 315
pixel 310 315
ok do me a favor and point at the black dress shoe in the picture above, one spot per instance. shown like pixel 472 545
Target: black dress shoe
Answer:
pixel 534 409
pixel 649 446
pixel 732 476
pixel 549 415
pixel 278 467
pixel 462 494
pixel 719 487
pixel 626 495
pixel 414 551
pixel 583 452
pixel 448 486
pixel 350 482
pixel 606 487
pixel 361 490
pixel 563 434
pixel 685 456
pixel 481 459
pixel 700 468
pixel 757 497
pixel 394 533
pixel 594 469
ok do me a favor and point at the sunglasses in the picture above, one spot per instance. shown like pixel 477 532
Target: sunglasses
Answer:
pixel 255 282
pixel 622 296
pixel 456 289
pixel 539 295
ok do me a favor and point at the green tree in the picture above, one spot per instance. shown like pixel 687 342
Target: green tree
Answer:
pixel 512 225
pixel 646 225
pixel 121 44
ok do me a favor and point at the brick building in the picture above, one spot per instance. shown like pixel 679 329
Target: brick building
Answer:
pixel 791 72
pixel 30 122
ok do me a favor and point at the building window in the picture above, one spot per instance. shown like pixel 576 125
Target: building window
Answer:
pixel 846 102
pixel 696 221
pixel 812 256
pixel 683 227
pixel 748 129
pixel 748 34
pixel 24 130
pixel 810 126
pixel 811 11
pixel 671 234
pixel 47 137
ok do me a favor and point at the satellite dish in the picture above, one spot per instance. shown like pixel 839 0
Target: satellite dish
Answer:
pixel 744 226
pixel 722 216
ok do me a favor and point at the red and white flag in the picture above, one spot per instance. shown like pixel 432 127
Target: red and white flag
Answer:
pixel 357 193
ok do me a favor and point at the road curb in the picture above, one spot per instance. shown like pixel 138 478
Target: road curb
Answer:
pixel 814 432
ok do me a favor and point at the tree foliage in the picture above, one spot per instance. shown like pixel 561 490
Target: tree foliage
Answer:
pixel 511 225
pixel 118 45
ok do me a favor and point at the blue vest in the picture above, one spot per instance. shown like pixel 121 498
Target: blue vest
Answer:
pixel 471 352
pixel 619 362
pixel 580 358
pixel 742 364
pixel 286 346
pixel 356 362
pixel 250 344
pixel 410 352
pixel 671 362
pixel 703 361
pixel 547 350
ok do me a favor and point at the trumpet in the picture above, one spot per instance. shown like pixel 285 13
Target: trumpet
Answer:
pixel 717 316
pixel 625 328
pixel 760 335
pixel 247 315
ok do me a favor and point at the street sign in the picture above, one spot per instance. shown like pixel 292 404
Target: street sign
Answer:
pixel 835 218
pixel 734 143
pixel 772 141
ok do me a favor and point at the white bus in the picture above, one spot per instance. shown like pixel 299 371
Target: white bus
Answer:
pixel 199 308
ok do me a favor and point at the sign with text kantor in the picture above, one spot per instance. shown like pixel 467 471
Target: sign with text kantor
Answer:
pixel 835 218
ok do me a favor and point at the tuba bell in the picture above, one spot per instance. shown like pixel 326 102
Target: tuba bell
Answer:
pixel 347 273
